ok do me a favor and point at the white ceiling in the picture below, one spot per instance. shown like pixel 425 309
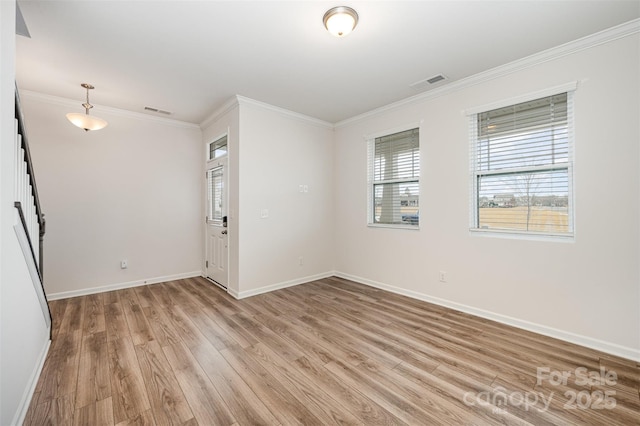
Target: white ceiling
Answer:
pixel 189 57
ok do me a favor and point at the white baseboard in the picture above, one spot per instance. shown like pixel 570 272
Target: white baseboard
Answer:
pixel 118 286
pixel 278 286
pixel 600 345
pixel 25 401
pixel 604 346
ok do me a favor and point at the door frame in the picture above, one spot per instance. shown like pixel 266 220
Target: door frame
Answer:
pixel 212 163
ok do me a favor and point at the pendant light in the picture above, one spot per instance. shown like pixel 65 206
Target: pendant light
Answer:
pixel 86 121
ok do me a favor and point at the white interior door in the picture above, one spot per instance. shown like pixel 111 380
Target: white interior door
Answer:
pixel 217 246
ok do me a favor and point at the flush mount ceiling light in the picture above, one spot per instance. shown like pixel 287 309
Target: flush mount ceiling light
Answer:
pixel 340 20
pixel 86 121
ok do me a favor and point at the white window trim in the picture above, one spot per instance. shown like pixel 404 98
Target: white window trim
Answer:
pixel 570 88
pixel 567 87
pixel 370 144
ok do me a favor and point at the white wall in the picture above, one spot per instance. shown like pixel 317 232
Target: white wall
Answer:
pixel 587 290
pixel 271 153
pixel 129 191
pixel 24 336
pixel 278 152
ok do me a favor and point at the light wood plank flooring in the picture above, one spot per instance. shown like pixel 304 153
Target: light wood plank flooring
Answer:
pixel 327 352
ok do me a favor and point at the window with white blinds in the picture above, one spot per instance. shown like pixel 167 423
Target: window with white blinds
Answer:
pixel 394 179
pixel 215 193
pixel 521 167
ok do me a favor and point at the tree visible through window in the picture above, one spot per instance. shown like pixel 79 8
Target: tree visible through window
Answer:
pixel 522 167
pixel 394 179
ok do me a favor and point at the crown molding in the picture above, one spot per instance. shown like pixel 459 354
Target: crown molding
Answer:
pixel 56 100
pixel 225 108
pixel 285 112
pixel 239 100
pixel 593 40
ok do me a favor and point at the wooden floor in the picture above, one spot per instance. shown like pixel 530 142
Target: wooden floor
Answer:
pixel 322 353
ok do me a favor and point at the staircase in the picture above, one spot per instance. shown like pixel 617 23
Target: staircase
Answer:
pixel 31 227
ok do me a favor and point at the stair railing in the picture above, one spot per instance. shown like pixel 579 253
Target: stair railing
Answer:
pixel 27 204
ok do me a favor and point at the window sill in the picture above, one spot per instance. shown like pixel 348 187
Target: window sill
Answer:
pixel 522 235
pixel 394 226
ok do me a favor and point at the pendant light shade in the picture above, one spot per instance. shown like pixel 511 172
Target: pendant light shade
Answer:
pixel 86 121
pixel 340 20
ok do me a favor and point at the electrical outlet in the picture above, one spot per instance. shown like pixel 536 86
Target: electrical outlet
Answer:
pixel 442 277
pixel 124 264
pixel 301 261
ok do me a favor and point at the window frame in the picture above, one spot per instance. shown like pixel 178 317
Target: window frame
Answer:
pixel 216 144
pixel 371 182
pixel 213 163
pixel 476 173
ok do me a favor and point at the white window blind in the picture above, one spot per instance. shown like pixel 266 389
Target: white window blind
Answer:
pixel 215 188
pixel 394 179
pixel 521 167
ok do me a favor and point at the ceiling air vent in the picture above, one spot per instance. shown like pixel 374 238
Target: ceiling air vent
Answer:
pixel 423 84
pixel 435 79
pixel 159 111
